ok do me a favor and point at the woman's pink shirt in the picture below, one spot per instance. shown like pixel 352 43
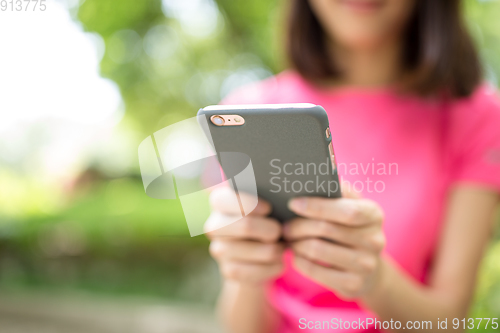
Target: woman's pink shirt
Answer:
pixel 405 153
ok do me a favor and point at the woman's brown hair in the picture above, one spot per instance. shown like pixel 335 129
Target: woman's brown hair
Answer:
pixel 439 54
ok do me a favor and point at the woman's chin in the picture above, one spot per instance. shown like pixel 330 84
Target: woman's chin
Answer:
pixel 361 41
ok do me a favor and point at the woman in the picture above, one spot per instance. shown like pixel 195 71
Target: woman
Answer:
pixel 401 82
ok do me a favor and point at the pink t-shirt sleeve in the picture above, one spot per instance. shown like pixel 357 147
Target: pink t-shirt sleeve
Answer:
pixel 474 135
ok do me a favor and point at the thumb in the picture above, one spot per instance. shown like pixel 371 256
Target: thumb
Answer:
pixel 348 191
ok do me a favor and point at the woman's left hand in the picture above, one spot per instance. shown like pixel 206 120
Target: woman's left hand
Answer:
pixel 337 243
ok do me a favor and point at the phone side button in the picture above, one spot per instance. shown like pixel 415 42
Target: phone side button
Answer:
pixel 330 148
pixel 334 164
pixel 332 156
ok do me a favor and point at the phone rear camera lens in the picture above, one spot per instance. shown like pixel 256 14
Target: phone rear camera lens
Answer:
pixel 217 120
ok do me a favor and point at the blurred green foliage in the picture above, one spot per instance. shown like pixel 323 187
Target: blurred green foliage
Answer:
pixel 484 24
pixel 159 90
pixel 106 234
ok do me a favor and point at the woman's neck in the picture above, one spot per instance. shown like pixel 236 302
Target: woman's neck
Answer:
pixel 368 68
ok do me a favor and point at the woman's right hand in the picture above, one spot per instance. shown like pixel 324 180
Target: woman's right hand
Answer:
pixel 248 250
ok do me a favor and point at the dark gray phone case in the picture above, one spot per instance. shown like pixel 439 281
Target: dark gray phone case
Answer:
pixel 290 133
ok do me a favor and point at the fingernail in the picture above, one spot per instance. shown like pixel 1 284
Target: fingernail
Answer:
pixel 261 207
pixel 258 208
pixel 298 204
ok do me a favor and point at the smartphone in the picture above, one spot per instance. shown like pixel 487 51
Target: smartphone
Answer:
pixel 289 146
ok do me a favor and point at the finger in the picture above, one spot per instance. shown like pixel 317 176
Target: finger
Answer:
pixel 349 192
pixel 246 251
pixel 301 228
pixel 334 255
pixel 353 212
pixel 347 284
pixel 248 272
pixel 225 200
pixel 256 228
pixel 369 238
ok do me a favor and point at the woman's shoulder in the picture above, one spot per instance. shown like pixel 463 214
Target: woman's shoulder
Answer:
pixel 483 103
pixel 476 115
pixel 275 89
pixel 474 135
